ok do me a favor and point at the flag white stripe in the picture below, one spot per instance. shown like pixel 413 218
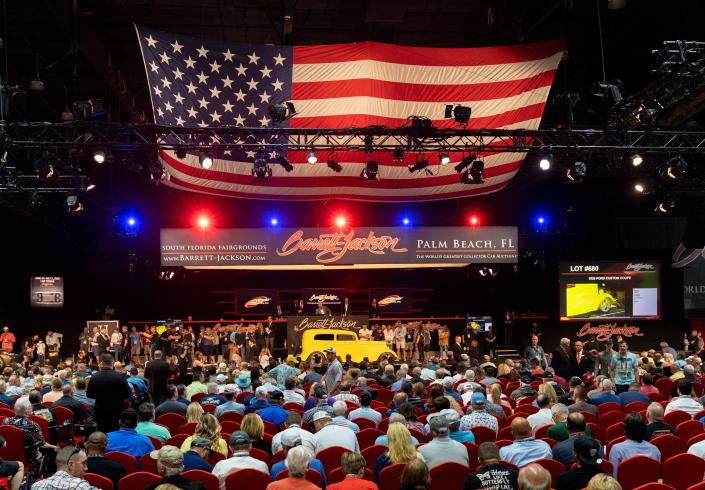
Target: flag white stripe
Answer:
pixel 425 75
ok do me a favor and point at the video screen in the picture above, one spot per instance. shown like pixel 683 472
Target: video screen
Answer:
pixel 479 323
pixel 610 290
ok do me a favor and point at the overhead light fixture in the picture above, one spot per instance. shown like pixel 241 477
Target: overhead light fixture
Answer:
pixel 637 160
pixel 36 84
pixel 545 163
pixel 261 171
pixel 576 172
pixel 460 113
pixel 398 154
pixel 444 159
pixel 666 206
pixel 312 157
pixel 333 164
pixel 420 164
pixel 473 175
pixel 71 200
pixel 205 160
pixel 284 162
pixel 370 171
pixel 90 186
pixel 639 187
pixel 677 168
pixel 464 163
pixel 99 156
pixel 282 112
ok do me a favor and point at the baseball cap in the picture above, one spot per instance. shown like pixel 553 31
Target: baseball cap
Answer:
pixel 320 415
pixel 450 415
pixel 169 456
pixel 203 443
pixel 526 378
pixel 239 438
pixel 222 365
pixel 575 381
pixel 547 375
pixel 230 388
pixel 221 378
pixel 291 358
pixel 320 392
pixel 588 450
pixel 478 398
pixel 276 395
pixel 291 438
pixel 438 423
pixel 330 349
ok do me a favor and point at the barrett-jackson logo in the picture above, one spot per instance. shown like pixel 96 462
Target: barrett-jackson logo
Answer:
pixel 328 323
pixel 640 267
pixel 607 330
pixel 392 299
pixel 320 298
pixel 332 247
pixel 258 301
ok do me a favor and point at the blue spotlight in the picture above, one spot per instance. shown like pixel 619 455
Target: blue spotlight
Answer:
pixel 131 222
pixel 541 223
pixel 406 221
pixel 128 222
pixel 274 222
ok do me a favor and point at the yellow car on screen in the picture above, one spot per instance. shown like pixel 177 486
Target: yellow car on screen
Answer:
pixel 315 341
pixel 582 299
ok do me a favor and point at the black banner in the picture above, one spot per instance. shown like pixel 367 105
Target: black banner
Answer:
pixel 332 298
pixel 256 301
pixel 295 325
pixel 46 292
pixel 391 300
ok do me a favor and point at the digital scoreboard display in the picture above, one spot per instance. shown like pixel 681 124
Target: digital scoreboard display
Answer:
pixel 46 292
pixel 479 323
pixel 615 290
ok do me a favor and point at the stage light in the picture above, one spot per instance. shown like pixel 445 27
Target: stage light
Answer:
pixel 99 156
pixel 576 172
pixel 398 154
pixel 340 221
pixel 274 222
pixel 677 168
pixel 473 220
pixel 545 163
pixel 464 163
pixel 205 160
pixel 444 158
pixel 419 165
pixel 261 171
pixel 665 207
pixel 474 174
pixel 281 112
pixel 460 113
pixel 637 160
pixel 334 165
pixel 284 162
pixel 312 157
pixel 167 274
pixel 90 186
pixel 639 187
pixel 370 171
pixel 541 220
pixel 71 200
pixel 406 221
pixel 203 222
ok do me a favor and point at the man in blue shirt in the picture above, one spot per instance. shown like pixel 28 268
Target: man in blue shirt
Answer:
pixel 126 439
pixel 230 404
pixel 197 457
pixel 624 369
pixel 606 394
pixel 635 430
pixel 526 448
pixel 212 398
pixel 634 395
pixel 259 402
pixel 290 440
pixel 365 411
pixel 274 413
pixel 138 383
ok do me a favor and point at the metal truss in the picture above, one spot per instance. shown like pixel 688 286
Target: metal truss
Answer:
pixel 124 137
pixel 11 180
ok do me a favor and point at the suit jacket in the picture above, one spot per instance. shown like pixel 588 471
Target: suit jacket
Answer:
pixel 563 363
pixel 157 373
pixel 585 365
pixel 346 310
pixel 110 390
pixel 457 351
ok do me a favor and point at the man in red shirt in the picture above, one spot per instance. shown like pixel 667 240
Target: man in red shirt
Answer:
pixel 7 339
pixel 354 470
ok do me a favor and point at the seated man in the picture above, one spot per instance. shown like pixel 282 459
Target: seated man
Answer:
pixel 442 448
pixel 293 425
pixel 365 411
pixel 12 470
pixel 289 441
pixel 274 413
pixel 340 409
pixel 171 405
pixel 126 439
pixel 329 434
pixel 213 397
pixel 240 445
pixel 563 451
pixel 70 468
pixel 68 401
pixel 230 405
pixel 197 457
pixel 96 445
pixel 491 474
pixel 635 430
pixel 147 427
pixel 534 477
pixel 31 432
pixel 170 465
pixel 526 448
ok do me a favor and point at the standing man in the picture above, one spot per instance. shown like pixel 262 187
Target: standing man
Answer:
pixel 400 340
pixel 624 369
pixel 157 373
pixel 562 361
pixel 135 342
pixel 346 307
pixel 54 340
pixel 322 309
pixel 535 351
pixel 269 335
pixel 334 373
pixel 7 339
pixel 116 344
pixel 110 391
pixel 583 360
pixel 299 310
pixel 604 359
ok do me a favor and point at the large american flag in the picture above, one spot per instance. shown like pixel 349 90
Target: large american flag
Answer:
pixel 196 82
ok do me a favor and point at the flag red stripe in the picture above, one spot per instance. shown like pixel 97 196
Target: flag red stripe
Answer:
pixel 513 117
pixel 366 87
pixel 472 191
pixel 415 181
pixel 408 55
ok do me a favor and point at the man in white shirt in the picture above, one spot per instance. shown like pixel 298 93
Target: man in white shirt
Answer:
pixel 290 393
pixel 329 434
pixel 293 424
pixel 54 340
pixel 240 459
pixel 364 333
pixel 685 401
pixel 400 340
pixel 543 416
pixel 115 343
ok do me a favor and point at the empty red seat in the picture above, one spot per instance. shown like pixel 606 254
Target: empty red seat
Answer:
pixel 669 446
pixel 683 470
pixel 636 471
pixel 607 407
pixel 448 475
pixel 676 417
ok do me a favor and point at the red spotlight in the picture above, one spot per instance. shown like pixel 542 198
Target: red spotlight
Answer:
pixel 340 221
pixel 203 222
pixel 474 220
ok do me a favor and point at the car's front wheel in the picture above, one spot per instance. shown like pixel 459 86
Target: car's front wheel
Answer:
pixel 315 357
pixel 385 357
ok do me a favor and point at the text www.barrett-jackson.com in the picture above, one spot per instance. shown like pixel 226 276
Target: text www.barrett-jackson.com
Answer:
pixel 213 258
